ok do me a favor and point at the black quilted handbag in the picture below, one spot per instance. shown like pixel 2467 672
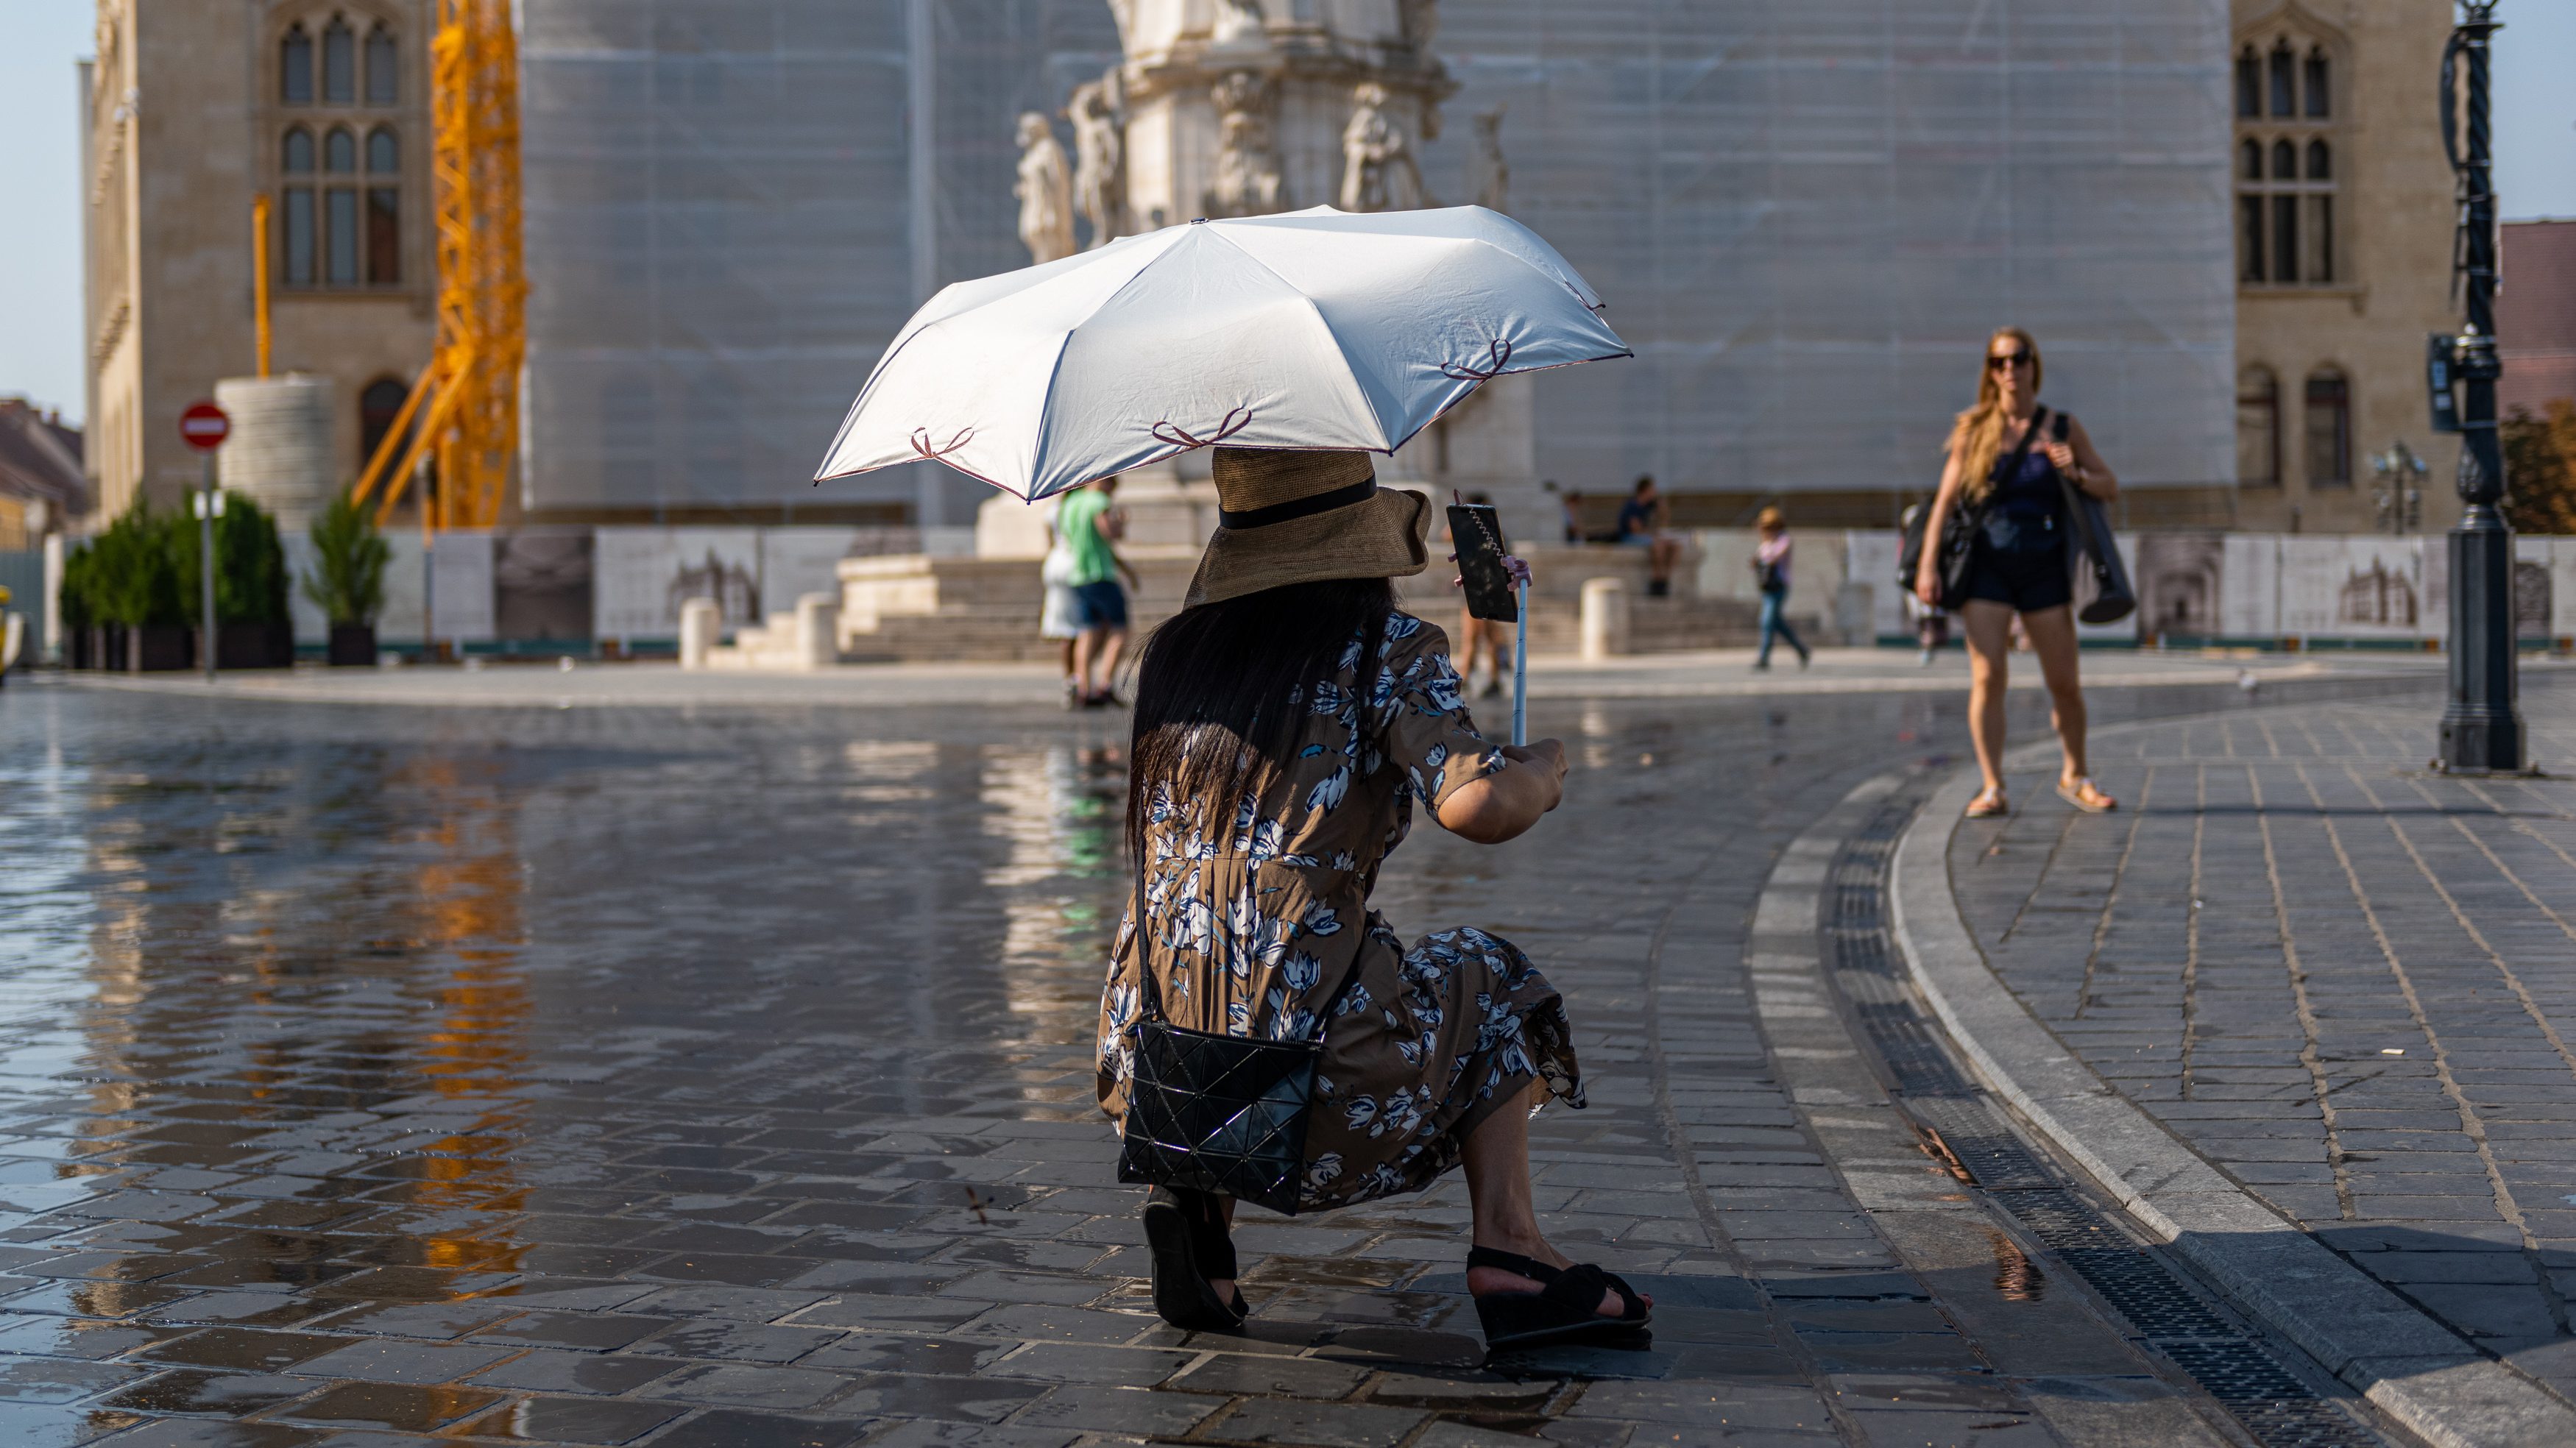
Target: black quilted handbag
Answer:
pixel 1222 1114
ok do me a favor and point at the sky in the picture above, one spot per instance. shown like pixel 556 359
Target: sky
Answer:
pixel 40 186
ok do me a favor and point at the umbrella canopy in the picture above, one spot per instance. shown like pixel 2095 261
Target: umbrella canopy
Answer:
pixel 1312 329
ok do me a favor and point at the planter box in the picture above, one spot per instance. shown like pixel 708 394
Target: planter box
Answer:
pixel 157 648
pixel 254 646
pixel 353 645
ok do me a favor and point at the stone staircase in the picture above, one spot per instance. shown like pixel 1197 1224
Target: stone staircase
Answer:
pixel 910 608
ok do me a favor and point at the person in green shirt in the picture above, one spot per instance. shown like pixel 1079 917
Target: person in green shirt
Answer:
pixel 1091 528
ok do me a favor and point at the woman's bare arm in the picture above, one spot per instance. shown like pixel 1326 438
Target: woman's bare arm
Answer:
pixel 2098 478
pixel 1501 805
pixel 1927 569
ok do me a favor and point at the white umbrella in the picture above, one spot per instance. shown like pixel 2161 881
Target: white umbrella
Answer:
pixel 1313 329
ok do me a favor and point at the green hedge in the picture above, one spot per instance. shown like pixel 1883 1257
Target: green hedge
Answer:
pixel 142 570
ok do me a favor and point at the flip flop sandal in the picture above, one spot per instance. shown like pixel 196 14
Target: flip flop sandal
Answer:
pixel 2074 794
pixel 1987 805
pixel 1182 1296
pixel 1566 1309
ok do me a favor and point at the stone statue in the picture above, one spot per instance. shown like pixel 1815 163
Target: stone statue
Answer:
pixel 1420 22
pixel 1247 158
pixel 1099 158
pixel 1378 171
pixel 1045 189
pixel 1238 25
pixel 1492 175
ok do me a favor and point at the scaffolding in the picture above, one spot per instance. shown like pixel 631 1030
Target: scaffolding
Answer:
pixel 1806 218
pixel 463 411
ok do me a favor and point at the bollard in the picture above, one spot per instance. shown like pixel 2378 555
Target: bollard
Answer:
pixel 818 626
pixel 1605 618
pixel 699 621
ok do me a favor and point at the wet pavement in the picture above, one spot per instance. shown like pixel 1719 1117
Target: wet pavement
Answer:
pixel 719 1076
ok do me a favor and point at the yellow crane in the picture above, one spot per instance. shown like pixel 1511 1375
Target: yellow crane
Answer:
pixel 464 409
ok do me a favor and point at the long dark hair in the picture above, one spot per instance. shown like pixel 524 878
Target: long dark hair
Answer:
pixel 1221 689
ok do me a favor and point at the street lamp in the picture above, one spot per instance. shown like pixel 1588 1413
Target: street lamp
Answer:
pixel 2481 732
pixel 2401 487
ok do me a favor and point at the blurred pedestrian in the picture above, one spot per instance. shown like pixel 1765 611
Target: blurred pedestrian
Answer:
pixel 2009 464
pixel 1093 526
pixel 1771 577
pixel 1487 638
pixel 1288 721
pixel 1645 521
pixel 1931 624
pixel 1573 505
pixel 1056 614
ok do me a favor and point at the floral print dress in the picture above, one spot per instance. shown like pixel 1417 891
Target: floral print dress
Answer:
pixel 1256 922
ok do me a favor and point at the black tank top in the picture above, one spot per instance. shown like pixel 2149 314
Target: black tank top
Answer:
pixel 2023 509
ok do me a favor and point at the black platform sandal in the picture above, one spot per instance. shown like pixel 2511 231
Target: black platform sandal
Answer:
pixel 1175 1226
pixel 1566 1309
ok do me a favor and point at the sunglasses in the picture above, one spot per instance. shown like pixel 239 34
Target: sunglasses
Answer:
pixel 2001 361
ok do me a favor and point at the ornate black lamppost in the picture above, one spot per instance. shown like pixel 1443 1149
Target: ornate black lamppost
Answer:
pixel 2481 732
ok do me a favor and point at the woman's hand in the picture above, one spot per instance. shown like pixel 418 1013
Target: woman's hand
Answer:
pixel 2063 455
pixel 1548 758
pixel 1927 584
pixel 1504 804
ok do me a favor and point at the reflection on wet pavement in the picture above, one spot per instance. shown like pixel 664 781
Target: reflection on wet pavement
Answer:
pixel 704 1077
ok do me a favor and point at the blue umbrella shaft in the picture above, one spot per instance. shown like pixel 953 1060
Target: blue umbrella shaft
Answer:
pixel 1520 669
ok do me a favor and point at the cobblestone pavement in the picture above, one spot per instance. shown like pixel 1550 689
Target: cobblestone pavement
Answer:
pixel 707 1077
pixel 2346 980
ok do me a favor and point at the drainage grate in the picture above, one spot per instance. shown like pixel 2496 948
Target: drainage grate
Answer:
pixel 2270 1401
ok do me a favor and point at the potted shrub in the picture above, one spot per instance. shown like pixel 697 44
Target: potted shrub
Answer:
pixel 347 580
pixel 80 616
pixel 134 587
pixel 252 628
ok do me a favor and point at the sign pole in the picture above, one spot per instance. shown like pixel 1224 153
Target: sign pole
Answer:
pixel 204 426
pixel 206 562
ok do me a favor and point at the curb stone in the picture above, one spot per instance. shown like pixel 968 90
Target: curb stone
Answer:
pixel 2411 1367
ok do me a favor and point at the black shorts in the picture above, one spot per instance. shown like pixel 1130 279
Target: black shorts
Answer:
pixel 2024 573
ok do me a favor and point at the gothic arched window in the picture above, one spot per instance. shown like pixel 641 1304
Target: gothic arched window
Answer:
pixel 295 159
pixel 2285 176
pixel 339 63
pixel 2258 428
pixel 295 67
pixel 379 403
pixel 384 207
pixel 384 74
pixel 2329 429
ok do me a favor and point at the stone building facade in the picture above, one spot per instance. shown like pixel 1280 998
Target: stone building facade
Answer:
pixel 2343 222
pixel 194 110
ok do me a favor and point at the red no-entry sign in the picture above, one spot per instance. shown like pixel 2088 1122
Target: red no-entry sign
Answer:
pixel 205 426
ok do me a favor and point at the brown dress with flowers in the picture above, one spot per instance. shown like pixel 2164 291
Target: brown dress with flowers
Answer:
pixel 1256 912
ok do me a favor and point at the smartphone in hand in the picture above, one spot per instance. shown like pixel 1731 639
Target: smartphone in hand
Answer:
pixel 1478 535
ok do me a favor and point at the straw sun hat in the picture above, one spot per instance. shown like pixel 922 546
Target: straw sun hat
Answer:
pixel 1293 515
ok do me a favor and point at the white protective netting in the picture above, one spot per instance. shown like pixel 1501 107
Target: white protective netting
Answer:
pixel 1805 218
pixel 721 230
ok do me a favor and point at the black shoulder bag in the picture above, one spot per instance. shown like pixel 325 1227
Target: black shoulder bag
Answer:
pixel 1959 529
pixel 1212 1113
pixel 2102 591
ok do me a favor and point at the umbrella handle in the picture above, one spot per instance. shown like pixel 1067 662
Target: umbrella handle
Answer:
pixel 1520 670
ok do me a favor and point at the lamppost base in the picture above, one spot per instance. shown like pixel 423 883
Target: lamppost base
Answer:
pixel 2481 727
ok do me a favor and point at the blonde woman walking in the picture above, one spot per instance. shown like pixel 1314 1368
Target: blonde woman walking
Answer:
pixel 2010 462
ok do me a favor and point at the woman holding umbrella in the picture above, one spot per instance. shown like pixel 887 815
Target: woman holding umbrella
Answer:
pixel 1264 1036
pixel 1288 721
